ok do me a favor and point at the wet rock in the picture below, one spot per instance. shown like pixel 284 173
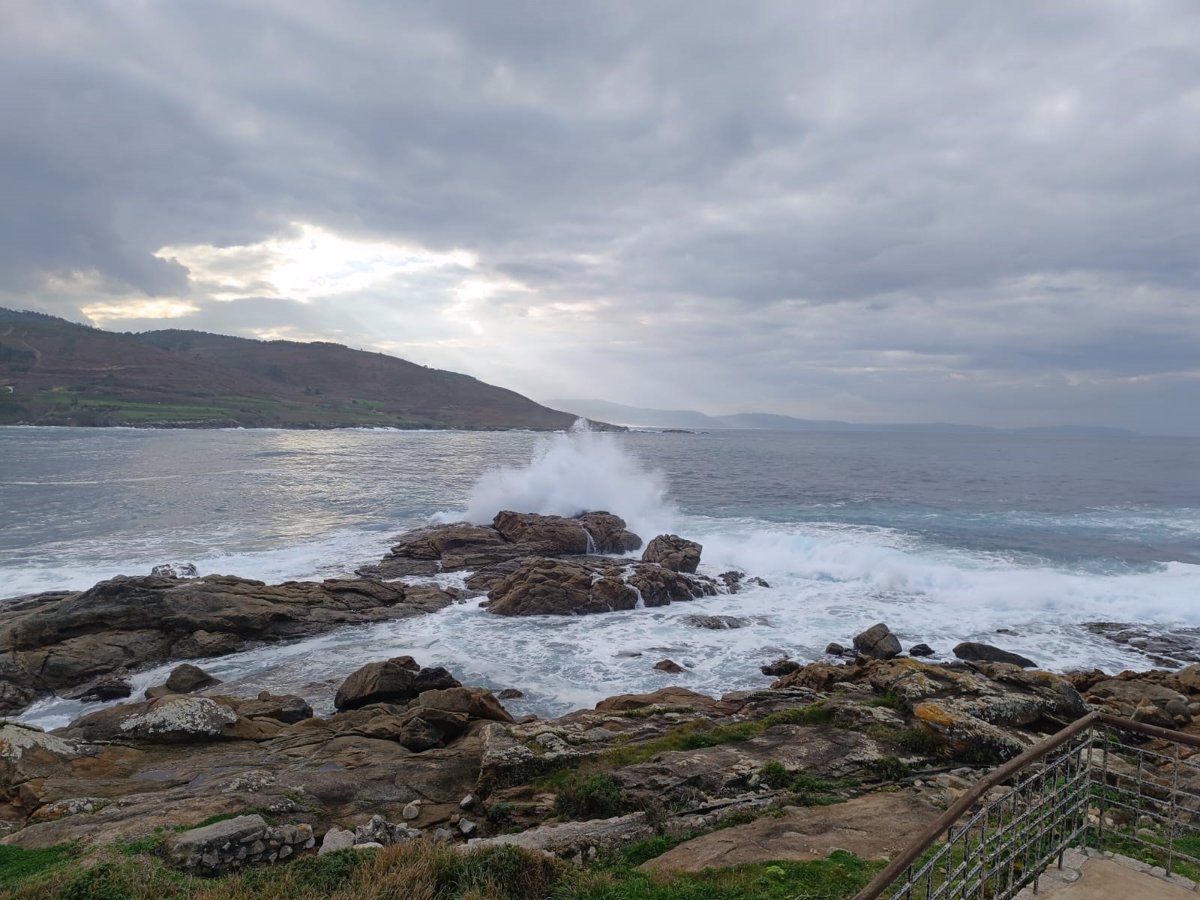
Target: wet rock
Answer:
pixel 1167 647
pixel 184 679
pixel 669 665
pixel 558 587
pixel 920 650
pixel 103 690
pixel 716 623
pixel 877 642
pixel 973 651
pixel 393 680
pixel 780 667
pixel 673 552
pixel 510 694
pixel 175 570
pixel 835 649
pixel 659 587
pixel 511 536
pixel 56 641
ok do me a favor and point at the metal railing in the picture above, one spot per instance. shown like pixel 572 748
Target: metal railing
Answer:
pixel 1102 782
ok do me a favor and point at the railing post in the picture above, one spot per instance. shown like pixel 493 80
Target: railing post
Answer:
pixel 1103 790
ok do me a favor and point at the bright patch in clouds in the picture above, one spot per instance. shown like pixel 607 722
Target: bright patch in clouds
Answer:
pixel 306 265
pixel 102 313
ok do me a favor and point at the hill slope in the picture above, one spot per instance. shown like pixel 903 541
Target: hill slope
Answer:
pixel 55 372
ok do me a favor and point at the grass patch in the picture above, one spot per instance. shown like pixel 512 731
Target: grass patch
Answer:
pixel 425 870
pixel 17 863
pixel 590 797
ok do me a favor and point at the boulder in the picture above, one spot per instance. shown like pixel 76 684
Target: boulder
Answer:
pixel 920 650
pixel 673 552
pixel 780 667
pixel 669 665
pixel 475 703
pixel 510 694
pixel 184 679
pixel 178 719
pixel 393 680
pixel 286 708
pixel 560 588
pixel 835 649
pixel 877 642
pixel 973 651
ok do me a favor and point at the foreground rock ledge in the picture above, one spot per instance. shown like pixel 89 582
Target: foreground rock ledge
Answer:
pixel 50 642
pixel 450 762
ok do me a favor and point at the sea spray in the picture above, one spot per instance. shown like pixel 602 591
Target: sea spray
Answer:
pixel 570 473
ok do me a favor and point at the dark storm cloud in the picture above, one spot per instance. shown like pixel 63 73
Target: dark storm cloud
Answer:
pixel 910 210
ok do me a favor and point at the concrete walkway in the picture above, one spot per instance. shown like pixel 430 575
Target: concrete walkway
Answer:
pixel 1092 875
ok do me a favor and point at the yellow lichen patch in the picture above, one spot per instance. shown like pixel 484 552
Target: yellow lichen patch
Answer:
pixel 933 714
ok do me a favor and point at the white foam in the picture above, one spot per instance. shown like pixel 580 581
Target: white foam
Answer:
pixel 571 473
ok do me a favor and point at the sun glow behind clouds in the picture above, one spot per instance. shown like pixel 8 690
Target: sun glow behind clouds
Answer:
pixel 103 313
pixel 308 264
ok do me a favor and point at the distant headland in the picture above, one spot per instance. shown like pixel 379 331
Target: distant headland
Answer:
pixel 55 372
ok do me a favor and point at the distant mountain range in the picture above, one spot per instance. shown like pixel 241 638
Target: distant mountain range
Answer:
pixel 638 417
pixel 55 372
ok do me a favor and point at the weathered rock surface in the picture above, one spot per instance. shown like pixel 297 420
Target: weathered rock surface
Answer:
pixel 984 706
pixel 558 587
pixel 175 570
pixel 669 666
pixel 673 552
pixel 392 680
pixel 872 827
pixel 973 651
pixel 54 641
pixel 878 642
pixel 447 548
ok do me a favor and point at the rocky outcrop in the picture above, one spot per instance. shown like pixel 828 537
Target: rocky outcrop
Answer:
pixel 973 651
pixel 512 535
pixel 54 641
pixel 560 588
pixel 981 709
pixel 877 642
pixel 673 552
pixel 393 680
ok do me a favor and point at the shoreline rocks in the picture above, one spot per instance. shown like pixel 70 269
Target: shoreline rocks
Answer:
pixel 56 641
pixel 512 535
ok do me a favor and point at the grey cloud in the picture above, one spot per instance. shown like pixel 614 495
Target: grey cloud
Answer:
pixel 796 194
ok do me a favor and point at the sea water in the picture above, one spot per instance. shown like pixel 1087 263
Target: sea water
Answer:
pixel 946 537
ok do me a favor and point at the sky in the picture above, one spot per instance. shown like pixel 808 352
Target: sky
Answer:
pixel 872 211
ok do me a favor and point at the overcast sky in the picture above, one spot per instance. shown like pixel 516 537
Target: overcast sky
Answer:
pixel 874 211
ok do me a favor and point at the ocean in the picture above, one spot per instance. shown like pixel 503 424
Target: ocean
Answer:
pixel 946 537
